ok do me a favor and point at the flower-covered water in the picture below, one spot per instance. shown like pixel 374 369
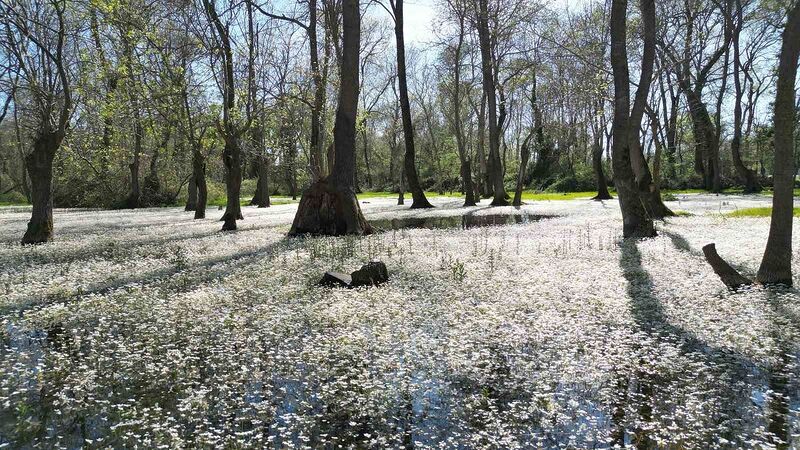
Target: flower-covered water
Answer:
pixel 149 328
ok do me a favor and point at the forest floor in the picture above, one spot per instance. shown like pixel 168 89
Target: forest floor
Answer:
pixel 147 327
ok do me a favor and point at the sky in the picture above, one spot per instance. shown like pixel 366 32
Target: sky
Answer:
pixel 420 15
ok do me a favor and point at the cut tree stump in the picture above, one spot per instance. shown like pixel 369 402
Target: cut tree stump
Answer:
pixel 373 273
pixel 729 276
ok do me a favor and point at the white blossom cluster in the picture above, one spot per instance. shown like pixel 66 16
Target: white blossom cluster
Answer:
pixel 147 328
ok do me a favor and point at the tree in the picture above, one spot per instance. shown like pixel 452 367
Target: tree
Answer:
pixel 637 222
pixel 736 23
pixel 36 40
pixel 495 167
pixel 693 70
pixel 776 265
pixel 458 8
pixel 229 129
pixel 330 205
pixel 409 162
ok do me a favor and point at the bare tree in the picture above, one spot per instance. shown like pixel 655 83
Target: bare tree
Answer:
pixel 330 205
pixel 230 128
pixel 409 162
pixel 36 39
pixel 776 265
pixel 488 69
pixel 636 220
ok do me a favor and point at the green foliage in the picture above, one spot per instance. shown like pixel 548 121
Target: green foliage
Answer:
pixel 13 198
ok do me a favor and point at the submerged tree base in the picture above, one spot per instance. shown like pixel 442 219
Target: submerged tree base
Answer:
pixel 328 210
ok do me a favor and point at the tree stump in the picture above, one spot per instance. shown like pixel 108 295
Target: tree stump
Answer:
pixel 373 273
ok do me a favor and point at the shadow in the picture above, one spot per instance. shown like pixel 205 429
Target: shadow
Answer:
pixel 208 271
pixel 104 247
pixel 778 378
pixel 680 243
pixel 651 318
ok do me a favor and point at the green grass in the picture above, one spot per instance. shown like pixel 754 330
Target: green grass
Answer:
pixel 757 212
pixel 13 204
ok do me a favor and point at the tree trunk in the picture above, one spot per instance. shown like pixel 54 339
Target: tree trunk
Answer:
pixel 600 176
pixel 330 206
pixel 706 146
pixel 469 188
pixel 366 154
pixel 135 195
pixel 401 191
pixel 525 154
pixel 409 163
pixel 495 166
pixel 483 185
pixel 199 176
pixel 231 158
pixel 191 201
pixel 636 222
pixel 261 196
pixel 315 144
pixel 747 175
pixel 776 265
pixel 651 192
pixel 152 186
pixel 39 164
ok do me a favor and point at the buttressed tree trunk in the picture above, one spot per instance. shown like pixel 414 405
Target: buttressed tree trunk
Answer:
pixel 776 265
pixel 409 163
pixel 330 206
pixel 636 222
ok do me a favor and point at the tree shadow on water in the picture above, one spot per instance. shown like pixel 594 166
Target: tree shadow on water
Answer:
pixel 653 389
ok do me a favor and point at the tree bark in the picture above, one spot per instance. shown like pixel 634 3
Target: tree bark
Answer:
pixel 525 154
pixel 191 200
pixel 330 206
pixel 729 276
pixel 261 196
pixel 600 176
pixel 747 175
pixel 409 162
pixel 495 166
pixel 135 195
pixel 315 144
pixel 636 222
pixel 776 265
pixel 231 158
pixel 199 176
pixel 39 164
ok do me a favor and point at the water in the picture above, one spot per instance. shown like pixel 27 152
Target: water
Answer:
pixel 461 222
